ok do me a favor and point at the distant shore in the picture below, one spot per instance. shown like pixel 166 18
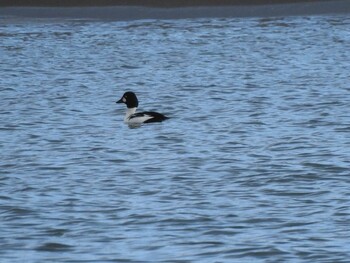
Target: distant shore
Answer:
pixel 149 3
pixel 152 9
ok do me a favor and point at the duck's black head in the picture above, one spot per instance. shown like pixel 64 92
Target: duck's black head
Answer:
pixel 130 99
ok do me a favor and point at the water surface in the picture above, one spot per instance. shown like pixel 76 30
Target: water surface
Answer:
pixel 253 165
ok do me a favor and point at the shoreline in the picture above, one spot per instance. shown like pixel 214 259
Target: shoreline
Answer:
pixel 148 3
pixel 145 12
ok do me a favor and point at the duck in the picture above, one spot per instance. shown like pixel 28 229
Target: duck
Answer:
pixel 131 117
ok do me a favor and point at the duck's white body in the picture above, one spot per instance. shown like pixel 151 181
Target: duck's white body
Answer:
pixel 131 117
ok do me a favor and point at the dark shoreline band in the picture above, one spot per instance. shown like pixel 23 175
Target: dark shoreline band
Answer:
pixel 127 12
pixel 149 3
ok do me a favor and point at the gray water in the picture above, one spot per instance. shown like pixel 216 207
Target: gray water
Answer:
pixel 252 166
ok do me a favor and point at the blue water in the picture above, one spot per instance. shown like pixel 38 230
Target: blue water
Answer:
pixel 253 165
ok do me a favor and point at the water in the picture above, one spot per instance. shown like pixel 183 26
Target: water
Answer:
pixel 253 165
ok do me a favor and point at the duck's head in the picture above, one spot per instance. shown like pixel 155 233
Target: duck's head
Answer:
pixel 130 99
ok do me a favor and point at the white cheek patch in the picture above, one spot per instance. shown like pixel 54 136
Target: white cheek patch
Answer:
pixel 124 99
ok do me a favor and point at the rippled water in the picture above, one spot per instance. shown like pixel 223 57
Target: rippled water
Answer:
pixel 253 165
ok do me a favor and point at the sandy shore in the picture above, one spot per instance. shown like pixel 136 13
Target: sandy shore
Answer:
pixel 133 12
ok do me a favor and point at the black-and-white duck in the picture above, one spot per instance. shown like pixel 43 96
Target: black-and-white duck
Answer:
pixel 131 117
